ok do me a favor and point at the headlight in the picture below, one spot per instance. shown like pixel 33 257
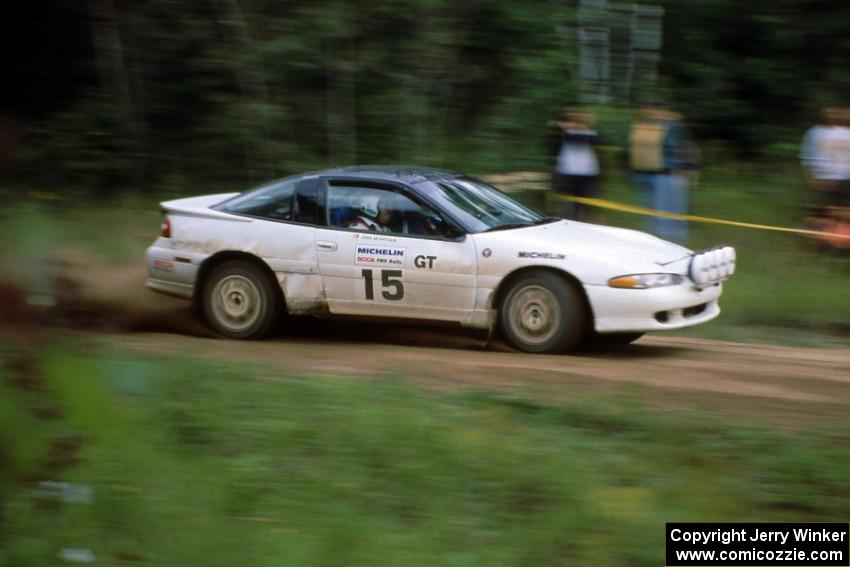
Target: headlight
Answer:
pixel 645 281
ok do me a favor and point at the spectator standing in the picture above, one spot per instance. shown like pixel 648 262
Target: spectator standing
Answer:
pixel 663 160
pixel 825 154
pixel 812 150
pixel 576 170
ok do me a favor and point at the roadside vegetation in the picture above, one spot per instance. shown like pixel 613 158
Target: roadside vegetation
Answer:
pixel 180 461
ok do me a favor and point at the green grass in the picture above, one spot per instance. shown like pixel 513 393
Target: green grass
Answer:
pixel 115 231
pixel 195 463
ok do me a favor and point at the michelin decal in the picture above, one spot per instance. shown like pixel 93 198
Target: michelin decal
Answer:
pixel 542 255
pixel 375 255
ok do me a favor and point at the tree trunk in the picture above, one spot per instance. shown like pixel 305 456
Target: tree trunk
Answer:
pixel 252 85
pixel 112 70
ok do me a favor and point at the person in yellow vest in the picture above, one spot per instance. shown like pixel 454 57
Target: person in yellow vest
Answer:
pixel 663 160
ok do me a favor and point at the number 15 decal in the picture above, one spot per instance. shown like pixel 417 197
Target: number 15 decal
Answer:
pixel 389 279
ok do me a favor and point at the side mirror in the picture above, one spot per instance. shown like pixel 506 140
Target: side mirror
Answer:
pixel 434 225
pixel 450 231
pixel 454 234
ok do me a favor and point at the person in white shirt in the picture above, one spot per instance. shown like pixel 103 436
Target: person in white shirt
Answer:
pixel 825 153
pixel 577 167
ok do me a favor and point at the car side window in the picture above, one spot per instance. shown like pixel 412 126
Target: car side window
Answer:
pixel 307 205
pixel 379 209
pixel 273 202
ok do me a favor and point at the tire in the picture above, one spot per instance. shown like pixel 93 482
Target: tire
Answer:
pixel 615 338
pixel 239 301
pixel 542 313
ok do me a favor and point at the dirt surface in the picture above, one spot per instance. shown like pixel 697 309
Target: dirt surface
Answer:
pixel 783 385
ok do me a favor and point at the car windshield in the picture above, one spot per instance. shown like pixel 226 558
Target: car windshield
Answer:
pixel 481 207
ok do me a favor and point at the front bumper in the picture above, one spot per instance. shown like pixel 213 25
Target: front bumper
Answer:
pixel 658 309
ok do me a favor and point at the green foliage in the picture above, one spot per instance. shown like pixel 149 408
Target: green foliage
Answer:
pixel 22 444
pixel 755 74
pixel 229 93
pixel 234 92
pixel 194 463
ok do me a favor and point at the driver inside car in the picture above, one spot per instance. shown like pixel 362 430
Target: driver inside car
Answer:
pixel 383 221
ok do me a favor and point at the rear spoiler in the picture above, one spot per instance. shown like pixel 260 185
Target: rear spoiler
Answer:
pixel 200 207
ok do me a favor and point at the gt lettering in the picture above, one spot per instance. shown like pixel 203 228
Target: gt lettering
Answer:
pixel 424 261
pixel 389 279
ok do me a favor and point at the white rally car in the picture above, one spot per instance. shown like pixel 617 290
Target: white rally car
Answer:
pixel 425 244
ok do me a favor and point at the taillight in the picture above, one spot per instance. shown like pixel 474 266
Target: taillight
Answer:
pixel 165 228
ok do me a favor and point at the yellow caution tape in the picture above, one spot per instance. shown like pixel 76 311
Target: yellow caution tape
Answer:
pixel 536 180
pixel 633 209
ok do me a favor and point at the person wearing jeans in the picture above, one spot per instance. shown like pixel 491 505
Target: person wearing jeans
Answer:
pixel 662 157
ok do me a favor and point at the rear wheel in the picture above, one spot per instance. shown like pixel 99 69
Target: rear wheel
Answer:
pixel 542 313
pixel 239 301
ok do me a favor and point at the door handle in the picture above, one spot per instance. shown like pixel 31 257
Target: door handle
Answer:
pixel 326 245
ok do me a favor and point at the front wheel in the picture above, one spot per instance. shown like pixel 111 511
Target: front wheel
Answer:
pixel 542 313
pixel 239 301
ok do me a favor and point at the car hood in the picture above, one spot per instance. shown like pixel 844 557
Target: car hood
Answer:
pixel 620 241
pixel 619 248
